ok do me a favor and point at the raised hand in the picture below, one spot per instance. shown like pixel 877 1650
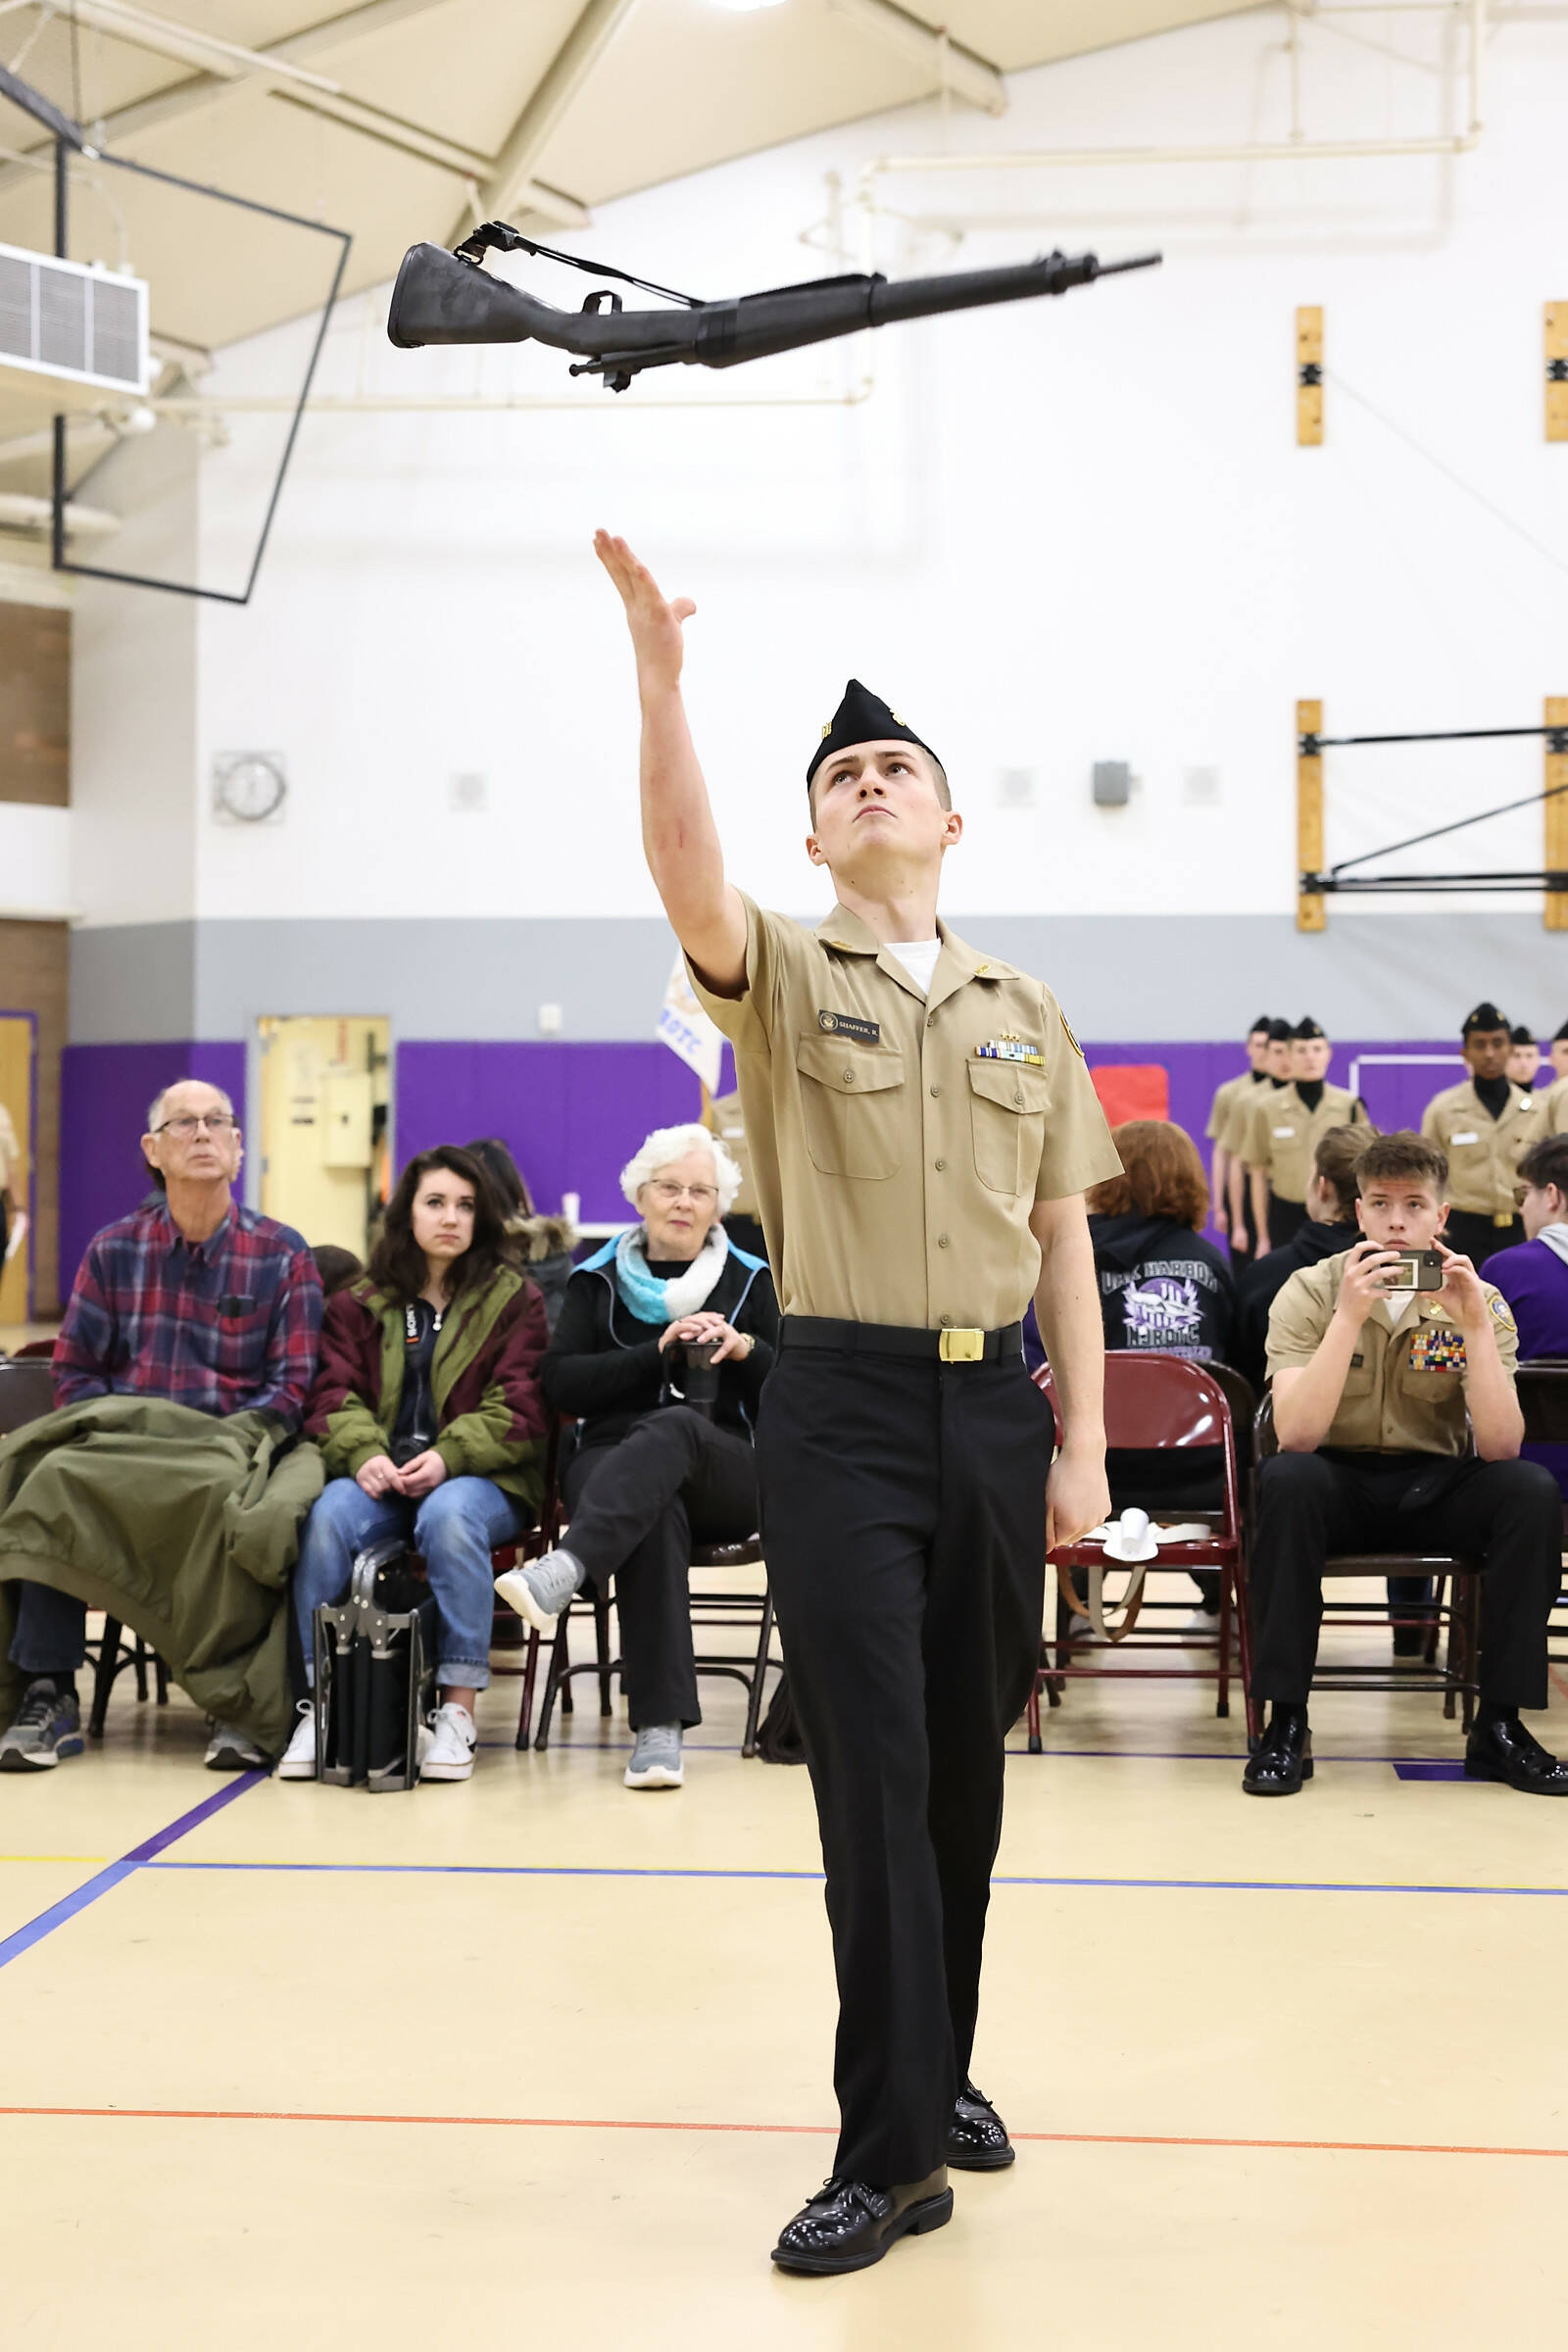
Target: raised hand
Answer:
pixel 654 621
pixel 1367 1269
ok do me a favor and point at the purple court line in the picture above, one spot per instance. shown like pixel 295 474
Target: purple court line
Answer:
pixel 605 1870
pixel 1102 1755
pixel 140 1857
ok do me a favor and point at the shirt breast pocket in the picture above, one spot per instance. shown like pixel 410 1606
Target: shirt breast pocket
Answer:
pixel 240 1344
pixel 1007 1105
pixel 853 1104
pixel 1359 1379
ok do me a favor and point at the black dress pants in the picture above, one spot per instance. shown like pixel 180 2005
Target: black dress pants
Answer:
pixel 1479 1237
pixel 904 1517
pixel 1507 1516
pixel 635 1510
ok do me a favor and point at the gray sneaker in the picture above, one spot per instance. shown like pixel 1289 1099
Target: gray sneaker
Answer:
pixel 229 1750
pixel 539 1592
pixel 48 1728
pixel 655 1759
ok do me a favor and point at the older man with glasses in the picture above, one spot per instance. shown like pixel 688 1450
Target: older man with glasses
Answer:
pixel 199 1302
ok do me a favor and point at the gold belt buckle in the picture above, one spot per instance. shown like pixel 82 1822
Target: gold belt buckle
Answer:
pixel 1504 1222
pixel 962 1347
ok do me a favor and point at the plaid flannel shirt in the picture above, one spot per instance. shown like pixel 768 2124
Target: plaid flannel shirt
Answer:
pixel 227 1324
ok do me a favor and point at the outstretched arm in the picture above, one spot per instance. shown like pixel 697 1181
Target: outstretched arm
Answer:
pixel 679 837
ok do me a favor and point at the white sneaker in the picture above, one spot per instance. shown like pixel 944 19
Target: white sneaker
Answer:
pixel 298 1760
pixel 454 1736
pixel 232 1751
pixel 655 1758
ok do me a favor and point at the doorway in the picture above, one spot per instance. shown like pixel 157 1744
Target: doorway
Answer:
pixel 326 1130
pixel 19 1041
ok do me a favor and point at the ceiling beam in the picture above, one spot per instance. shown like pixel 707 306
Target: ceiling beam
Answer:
pixel 562 82
pixel 950 64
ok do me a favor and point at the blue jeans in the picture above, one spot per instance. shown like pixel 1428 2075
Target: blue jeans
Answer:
pixel 51 1631
pixel 454 1530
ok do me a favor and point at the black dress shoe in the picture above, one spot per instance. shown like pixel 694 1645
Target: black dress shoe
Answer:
pixel 1283 1759
pixel 977 2137
pixel 1506 1751
pixel 1410 1641
pixel 848 2224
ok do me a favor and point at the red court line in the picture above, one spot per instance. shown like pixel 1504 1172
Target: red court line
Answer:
pixel 591 2122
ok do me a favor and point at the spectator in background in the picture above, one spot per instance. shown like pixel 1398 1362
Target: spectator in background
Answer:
pixel 1524 1058
pixel 1557 1054
pixel 336 1267
pixel 545 1244
pixel 651 1472
pixel 1534 1276
pixel 1330 1227
pixel 430 1417
pixel 197 1301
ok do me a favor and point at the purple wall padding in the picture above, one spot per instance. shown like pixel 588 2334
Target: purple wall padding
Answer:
pixel 571 1115
pixel 104 1093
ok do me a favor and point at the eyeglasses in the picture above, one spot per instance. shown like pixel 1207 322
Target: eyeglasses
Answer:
pixel 216 1122
pixel 701 1196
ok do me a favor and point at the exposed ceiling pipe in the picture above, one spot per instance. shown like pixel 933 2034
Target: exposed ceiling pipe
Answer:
pixel 187 44
pixel 563 81
pixel 953 67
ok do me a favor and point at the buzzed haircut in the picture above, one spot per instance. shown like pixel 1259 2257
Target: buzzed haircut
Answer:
pixel 1334 1160
pixel 1402 1153
pixel 1545 1163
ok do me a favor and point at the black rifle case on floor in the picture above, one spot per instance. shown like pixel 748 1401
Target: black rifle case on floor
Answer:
pixel 375 1674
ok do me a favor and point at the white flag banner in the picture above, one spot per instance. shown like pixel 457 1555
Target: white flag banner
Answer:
pixel 687 1030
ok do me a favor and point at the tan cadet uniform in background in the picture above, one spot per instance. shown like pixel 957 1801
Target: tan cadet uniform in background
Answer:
pixel 899 1142
pixel 729 1125
pixel 1552 1106
pixel 1393 1475
pixel 12 1179
pixel 1279 1134
pixel 1484 1155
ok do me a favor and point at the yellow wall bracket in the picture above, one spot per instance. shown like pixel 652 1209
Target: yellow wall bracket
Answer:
pixel 1310 911
pixel 1309 375
pixel 1557 371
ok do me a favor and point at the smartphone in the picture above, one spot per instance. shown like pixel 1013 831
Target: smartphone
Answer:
pixel 1417 1270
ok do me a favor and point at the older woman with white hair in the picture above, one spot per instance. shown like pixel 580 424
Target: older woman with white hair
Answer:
pixel 650 1473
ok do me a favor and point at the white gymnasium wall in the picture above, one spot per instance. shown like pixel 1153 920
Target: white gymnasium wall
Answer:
pixel 1054 533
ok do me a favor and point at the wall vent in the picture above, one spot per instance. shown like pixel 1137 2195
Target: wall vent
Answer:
pixel 78 325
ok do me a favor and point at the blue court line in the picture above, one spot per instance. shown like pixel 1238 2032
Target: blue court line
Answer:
pixel 604 1870
pixel 1098 1755
pixel 140 1857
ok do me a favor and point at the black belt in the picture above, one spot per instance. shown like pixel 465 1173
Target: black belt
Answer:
pixel 948 1347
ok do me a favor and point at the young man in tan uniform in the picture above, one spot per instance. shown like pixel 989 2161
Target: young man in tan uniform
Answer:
pixel 1273 1078
pixel 922 1130
pixel 1282 1133
pixel 1377 1390
pixel 1483 1124
pixel 1226 1098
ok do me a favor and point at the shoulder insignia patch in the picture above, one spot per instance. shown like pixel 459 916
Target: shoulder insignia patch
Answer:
pixel 1071 1039
pixel 1503 1313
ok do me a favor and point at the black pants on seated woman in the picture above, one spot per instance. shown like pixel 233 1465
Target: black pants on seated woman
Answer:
pixel 652 1475
pixel 636 1508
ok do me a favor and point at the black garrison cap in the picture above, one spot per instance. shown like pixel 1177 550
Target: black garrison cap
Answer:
pixel 1521 1036
pixel 861 718
pixel 1279 1033
pixel 1307 1028
pixel 1265 1021
pixel 1486 1017
pixel 1560 1036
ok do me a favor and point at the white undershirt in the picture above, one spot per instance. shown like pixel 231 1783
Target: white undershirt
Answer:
pixel 1397 1306
pixel 918 957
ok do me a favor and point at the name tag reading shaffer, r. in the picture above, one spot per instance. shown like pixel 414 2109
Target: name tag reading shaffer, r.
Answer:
pixel 850 1024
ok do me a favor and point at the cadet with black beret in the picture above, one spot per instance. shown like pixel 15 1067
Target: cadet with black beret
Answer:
pixel 1482 1125
pixel 923 1131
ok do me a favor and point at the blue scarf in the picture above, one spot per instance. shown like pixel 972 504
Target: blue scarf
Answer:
pixel 655 1300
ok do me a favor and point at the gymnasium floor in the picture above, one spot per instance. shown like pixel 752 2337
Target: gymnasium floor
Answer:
pixel 287 2064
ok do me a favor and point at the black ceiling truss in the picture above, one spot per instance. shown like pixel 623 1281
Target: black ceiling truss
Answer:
pixel 1340 880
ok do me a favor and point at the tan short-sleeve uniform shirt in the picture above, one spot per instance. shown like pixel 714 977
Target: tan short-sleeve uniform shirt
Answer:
pixel 898 1141
pixel 10 1154
pixel 1282 1135
pixel 1553 1104
pixel 1244 1107
pixel 1482 1151
pixel 1405 1390
pixel 1225 1098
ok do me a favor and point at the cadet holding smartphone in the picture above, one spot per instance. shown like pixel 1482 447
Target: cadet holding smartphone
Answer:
pixel 1379 1385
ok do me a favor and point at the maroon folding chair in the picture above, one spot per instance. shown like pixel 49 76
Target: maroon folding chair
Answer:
pixel 1158 1403
pixel 1456 1677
